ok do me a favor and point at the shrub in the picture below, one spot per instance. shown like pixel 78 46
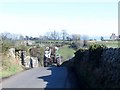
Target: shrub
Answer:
pixel 95 52
pixel 96 46
pixel 75 45
pixel 6 45
pixel 79 56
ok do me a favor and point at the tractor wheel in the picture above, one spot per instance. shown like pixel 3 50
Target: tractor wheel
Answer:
pixel 58 62
pixel 46 63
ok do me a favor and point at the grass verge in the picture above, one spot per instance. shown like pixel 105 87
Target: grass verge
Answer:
pixel 9 67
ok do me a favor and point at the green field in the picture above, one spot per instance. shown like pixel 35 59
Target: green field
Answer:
pixel 66 52
pixel 112 44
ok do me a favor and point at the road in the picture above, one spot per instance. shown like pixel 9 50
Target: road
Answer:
pixel 48 77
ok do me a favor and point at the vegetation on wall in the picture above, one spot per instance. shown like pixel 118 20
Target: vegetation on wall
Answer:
pixel 95 52
pixel 98 66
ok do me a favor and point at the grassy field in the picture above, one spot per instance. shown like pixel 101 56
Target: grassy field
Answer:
pixel 113 44
pixel 66 52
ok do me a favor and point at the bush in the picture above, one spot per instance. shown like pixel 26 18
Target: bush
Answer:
pixel 75 45
pixel 79 54
pixel 96 46
pixel 6 45
pixel 95 52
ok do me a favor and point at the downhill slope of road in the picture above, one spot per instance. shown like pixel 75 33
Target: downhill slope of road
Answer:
pixel 48 77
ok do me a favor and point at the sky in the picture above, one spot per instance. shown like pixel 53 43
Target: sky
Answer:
pixel 36 17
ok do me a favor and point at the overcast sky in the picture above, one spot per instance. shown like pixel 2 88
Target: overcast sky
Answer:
pixel 36 17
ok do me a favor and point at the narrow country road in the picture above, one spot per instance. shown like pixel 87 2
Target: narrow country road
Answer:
pixel 48 77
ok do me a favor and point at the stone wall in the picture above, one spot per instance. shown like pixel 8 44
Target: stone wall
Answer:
pixel 102 72
pixel 22 59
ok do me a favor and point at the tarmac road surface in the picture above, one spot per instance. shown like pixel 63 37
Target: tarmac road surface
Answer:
pixel 42 77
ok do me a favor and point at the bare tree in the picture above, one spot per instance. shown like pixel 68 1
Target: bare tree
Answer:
pixel 76 41
pixel 64 35
pixel 76 37
pixel 27 37
pixel 48 35
pixel 5 35
pixel 55 35
pixel 102 38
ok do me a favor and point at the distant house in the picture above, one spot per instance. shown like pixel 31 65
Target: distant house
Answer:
pixel 113 37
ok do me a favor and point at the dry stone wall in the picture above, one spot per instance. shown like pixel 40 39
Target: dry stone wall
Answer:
pixel 104 72
pixel 22 59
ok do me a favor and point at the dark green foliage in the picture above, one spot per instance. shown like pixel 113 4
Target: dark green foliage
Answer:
pixel 6 45
pixel 79 54
pixel 75 45
pixel 95 52
pixel 97 46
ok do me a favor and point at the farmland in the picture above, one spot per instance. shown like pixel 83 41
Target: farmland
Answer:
pixel 65 51
pixel 113 44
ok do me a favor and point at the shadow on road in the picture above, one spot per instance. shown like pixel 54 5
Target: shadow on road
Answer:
pixel 57 78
